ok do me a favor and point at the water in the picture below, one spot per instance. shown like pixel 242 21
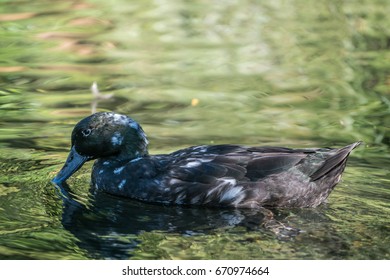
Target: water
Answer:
pixel 290 73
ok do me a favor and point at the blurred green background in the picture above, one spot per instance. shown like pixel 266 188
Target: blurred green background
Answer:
pixel 288 73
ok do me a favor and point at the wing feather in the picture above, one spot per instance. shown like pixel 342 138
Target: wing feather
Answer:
pixel 240 163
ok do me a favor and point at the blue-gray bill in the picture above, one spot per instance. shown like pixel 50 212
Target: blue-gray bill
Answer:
pixel 72 164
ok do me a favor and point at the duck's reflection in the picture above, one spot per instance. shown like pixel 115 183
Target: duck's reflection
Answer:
pixel 107 227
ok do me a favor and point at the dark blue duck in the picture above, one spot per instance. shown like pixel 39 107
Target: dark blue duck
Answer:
pixel 215 176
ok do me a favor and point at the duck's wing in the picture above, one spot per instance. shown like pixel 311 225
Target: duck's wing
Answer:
pixel 252 176
pixel 206 164
pixel 225 174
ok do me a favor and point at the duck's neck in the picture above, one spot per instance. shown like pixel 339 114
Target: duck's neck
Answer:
pixel 134 149
pixel 133 153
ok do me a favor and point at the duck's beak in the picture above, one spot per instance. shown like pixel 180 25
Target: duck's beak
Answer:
pixel 72 164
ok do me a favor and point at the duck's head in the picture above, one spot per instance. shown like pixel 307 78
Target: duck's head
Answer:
pixel 103 135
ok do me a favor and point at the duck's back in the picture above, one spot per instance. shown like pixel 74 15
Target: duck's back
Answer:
pixel 232 176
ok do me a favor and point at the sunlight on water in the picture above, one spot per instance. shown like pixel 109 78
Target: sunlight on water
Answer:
pixel 293 74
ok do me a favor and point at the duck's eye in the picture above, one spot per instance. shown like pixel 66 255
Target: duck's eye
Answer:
pixel 86 132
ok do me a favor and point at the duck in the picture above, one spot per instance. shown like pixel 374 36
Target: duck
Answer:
pixel 223 175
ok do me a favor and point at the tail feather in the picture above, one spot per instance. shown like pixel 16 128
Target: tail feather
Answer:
pixel 339 157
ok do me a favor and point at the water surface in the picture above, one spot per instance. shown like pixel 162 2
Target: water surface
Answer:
pixel 287 73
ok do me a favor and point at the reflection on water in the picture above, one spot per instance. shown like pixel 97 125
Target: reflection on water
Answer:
pixel 108 226
pixel 295 74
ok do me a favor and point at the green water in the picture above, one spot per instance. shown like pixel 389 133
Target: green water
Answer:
pixel 287 73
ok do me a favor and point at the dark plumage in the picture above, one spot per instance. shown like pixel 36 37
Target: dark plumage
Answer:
pixel 219 175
